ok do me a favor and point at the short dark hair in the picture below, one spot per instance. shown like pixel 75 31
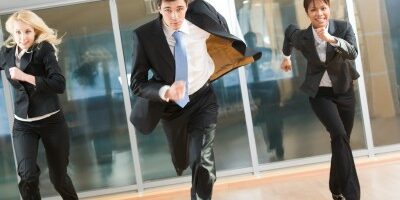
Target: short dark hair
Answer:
pixel 306 3
pixel 160 1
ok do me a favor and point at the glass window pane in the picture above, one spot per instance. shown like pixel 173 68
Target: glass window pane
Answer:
pixel 379 30
pixel 285 126
pixel 231 140
pixel 8 174
pixel 100 151
pixel 153 148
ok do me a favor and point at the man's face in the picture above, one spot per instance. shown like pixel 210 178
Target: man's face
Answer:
pixel 173 13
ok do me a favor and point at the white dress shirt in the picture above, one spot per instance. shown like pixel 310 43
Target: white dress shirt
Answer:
pixel 200 64
pixel 320 46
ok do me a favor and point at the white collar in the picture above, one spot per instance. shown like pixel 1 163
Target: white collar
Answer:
pixel 19 54
pixel 184 28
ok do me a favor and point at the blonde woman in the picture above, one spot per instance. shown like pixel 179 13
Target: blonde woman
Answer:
pixel 30 63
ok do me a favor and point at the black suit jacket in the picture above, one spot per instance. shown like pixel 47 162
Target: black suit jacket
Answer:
pixel 153 54
pixel 339 60
pixel 41 62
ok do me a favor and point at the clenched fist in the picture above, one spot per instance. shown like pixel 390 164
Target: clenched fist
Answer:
pixel 176 91
pixel 18 75
pixel 325 36
pixel 286 64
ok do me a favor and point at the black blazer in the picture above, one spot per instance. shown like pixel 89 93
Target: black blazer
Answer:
pixel 339 60
pixel 41 62
pixel 153 54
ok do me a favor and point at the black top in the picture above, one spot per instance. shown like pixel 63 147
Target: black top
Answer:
pixel 41 62
pixel 339 60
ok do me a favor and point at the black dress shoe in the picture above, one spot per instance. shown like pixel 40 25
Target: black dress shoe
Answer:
pixel 338 197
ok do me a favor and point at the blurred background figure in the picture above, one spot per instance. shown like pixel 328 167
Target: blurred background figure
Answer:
pixel 266 95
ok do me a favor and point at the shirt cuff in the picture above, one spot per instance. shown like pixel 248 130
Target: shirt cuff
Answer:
pixel 285 56
pixel 335 44
pixel 162 92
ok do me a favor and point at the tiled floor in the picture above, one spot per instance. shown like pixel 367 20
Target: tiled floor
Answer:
pixel 301 139
pixel 379 179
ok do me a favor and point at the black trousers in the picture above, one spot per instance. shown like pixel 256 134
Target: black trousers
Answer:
pixel 54 135
pixel 336 112
pixel 190 133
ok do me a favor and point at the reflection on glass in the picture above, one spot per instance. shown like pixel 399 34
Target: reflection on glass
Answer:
pixel 8 175
pixel 100 153
pixel 285 126
pixel 231 140
pixel 380 47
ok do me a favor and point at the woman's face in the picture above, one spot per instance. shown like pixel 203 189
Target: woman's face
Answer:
pixel 24 35
pixel 318 12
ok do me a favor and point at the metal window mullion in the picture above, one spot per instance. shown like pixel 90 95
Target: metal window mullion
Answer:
pixel 249 121
pixel 125 92
pixel 387 149
pixel 10 110
pixel 361 83
pixel 9 107
pixel 9 101
pixel 246 101
pixel 295 163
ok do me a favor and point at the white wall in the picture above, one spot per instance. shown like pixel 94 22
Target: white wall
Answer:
pixel 228 10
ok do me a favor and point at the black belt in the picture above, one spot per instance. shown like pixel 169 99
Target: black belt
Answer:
pixel 203 89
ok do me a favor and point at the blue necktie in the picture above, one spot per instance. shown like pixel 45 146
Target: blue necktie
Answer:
pixel 181 66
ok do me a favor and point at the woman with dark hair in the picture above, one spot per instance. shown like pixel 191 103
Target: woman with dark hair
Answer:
pixel 329 47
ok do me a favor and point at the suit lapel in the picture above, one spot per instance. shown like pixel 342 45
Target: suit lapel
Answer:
pixel 164 50
pixel 26 59
pixel 310 44
pixel 330 50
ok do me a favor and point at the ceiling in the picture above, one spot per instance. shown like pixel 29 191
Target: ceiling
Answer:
pixel 7 6
pixel 85 18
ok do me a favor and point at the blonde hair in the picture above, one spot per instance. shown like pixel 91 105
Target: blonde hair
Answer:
pixel 42 31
